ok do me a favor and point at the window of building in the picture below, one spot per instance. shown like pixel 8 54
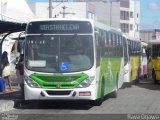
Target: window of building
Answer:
pixel 131 26
pixel 124 15
pixel 125 27
pixel 137 15
pixel 131 14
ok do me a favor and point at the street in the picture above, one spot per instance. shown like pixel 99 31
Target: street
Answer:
pixel 139 99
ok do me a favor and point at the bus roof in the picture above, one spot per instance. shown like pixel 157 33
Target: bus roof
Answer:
pixel 60 19
pixel 94 23
pixel 106 27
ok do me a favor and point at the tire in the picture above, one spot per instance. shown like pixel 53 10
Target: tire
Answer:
pixel 138 78
pixel 145 76
pixel 154 77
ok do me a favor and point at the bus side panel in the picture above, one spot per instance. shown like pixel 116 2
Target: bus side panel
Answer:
pixel 109 71
pixel 109 54
pixel 143 61
pixel 156 66
pixel 134 62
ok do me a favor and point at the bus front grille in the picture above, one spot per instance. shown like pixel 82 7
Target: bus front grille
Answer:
pixel 62 86
pixel 66 92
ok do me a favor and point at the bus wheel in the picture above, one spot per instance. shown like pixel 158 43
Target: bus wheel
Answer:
pixel 145 76
pixel 154 77
pixel 138 78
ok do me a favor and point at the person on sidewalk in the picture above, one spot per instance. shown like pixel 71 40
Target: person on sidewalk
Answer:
pixel 20 69
pixel 6 70
pixel 4 58
pixel 6 73
pixel 20 73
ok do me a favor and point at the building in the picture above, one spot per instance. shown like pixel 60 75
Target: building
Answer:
pixel 150 34
pixel 15 10
pixel 123 14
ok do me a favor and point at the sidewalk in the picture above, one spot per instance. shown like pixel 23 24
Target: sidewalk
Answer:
pixel 7 99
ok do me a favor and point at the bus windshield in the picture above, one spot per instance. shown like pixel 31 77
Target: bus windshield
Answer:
pixel 156 50
pixel 59 53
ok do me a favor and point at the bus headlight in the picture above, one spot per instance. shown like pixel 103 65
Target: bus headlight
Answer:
pixel 86 82
pixel 31 83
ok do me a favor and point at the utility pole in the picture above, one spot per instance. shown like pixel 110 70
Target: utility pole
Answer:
pixel 64 7
pixel 64 12
pixel 50 8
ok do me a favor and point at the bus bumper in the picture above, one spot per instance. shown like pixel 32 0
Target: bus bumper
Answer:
pixel 60 94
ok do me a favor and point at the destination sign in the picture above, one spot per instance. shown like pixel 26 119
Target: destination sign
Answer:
pixel 59 27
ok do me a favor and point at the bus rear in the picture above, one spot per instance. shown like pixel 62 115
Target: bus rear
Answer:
pixel 154 46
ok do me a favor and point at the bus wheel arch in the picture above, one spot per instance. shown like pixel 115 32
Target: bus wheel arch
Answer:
pixel 114 94
pixel 99 101
pixel 138 77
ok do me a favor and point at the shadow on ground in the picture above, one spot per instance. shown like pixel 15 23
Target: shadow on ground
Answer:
pixel 148 83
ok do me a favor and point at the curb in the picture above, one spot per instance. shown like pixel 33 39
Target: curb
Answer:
pixel 8 100
pixel 6 105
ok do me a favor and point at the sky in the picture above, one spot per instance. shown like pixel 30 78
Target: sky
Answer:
pixel 149 15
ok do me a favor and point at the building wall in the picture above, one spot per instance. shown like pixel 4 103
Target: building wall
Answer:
pixel 136 19
pixel 150 34
pixel 15 10
pixel 124 15
pixel 129 15
pixel 108 13
pixel 146 35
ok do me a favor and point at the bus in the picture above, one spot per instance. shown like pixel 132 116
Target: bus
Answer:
pixel 135 61
pixel 134 53
pixel 154 46
pixel 143 61
pixel 72 60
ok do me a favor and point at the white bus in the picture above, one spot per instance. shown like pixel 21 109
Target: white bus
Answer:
pixel 143 61
pixel 72 60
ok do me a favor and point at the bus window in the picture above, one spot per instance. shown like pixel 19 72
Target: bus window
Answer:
pixel 155 51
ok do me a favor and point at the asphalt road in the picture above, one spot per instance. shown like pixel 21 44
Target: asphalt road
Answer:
pixel 140 99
